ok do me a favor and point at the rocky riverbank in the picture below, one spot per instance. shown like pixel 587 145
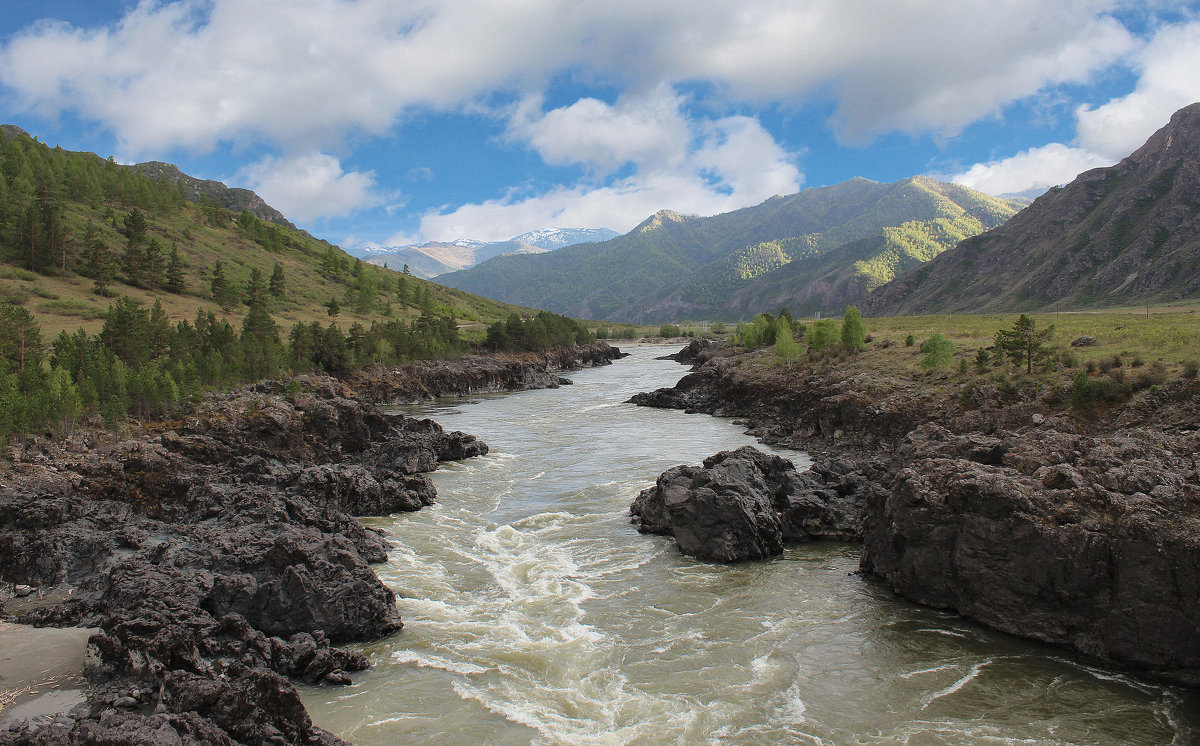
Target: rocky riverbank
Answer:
pixel 1002 504
pixel 217 554
pixel 478 374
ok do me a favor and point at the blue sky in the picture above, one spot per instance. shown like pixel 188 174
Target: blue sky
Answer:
pixel 385 122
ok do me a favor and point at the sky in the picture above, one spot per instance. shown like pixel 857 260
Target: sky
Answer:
pixel 392 122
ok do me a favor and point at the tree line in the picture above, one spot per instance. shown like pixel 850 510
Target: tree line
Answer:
pixel 142 364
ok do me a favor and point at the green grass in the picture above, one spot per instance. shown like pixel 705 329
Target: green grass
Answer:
pixel 1170 335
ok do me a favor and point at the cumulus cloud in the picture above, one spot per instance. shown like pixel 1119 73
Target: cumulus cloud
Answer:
pixel 1167 81
pixel 310 186
pixel 194 73
pixel 704 166
pixel 649 130
pixel 1039 168
pixel 1169 67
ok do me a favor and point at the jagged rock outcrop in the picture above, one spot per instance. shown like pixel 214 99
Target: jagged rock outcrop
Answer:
pixel 218 556
pixel 1001 505
pixel 1088 542
pixel 745 504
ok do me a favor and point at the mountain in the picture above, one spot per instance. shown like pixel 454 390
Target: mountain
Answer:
pixel 200 191
pixel 437 257
pixel 60 210
pixel 552 239
pixel 1127 234
pixel 674 266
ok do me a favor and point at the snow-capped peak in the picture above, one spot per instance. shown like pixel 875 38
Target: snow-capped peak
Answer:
pixel 557 238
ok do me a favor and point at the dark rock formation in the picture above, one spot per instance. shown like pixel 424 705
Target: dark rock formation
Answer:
pixel 693 353
pixel 218 556
pixel 477 374
pixel 1001 506
pixel 745 504
pixel 1088 542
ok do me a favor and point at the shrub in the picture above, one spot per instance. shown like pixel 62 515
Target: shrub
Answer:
pixel 822 335
pixel 910 340
pixel 1190 369
pixel 939 352
pixel 1084 390
pixel 669 330
pixel 854 332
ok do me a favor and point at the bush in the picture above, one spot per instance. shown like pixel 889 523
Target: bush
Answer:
pixel 717 327
pixel 939 352
pixel 1190 369
pixel 910 340
pixel 669 330
pixel 1084 390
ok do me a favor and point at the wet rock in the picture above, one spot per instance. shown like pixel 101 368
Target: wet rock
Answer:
pixel 745 504
pixel 219 558
pixel 1059 541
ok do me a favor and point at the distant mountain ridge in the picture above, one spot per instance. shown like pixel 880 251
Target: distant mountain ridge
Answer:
pixel 439 257
pixel 1126 234
pixel 676 267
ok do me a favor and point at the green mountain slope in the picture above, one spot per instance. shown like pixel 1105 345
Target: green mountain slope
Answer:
pixel 672 266
pixel 911 222
pixel 60 211
pixel 1128 234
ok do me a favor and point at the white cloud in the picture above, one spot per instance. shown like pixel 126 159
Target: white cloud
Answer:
pixel 649 130
pixel 304 74
pixel 704 167
pixel 1169 67
pixel 310 186
pixel 1043 167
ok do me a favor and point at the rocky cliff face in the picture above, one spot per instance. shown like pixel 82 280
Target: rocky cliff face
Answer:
pixel 218 556
pixel 1007 510
pixel 196 190
pixel 1088 542
pixel 1125 234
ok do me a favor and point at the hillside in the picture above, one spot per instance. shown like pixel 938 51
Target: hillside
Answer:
pixel 825 272
pixel 435 258
pixel 674 266
pixel 65 218
pixel 1128 234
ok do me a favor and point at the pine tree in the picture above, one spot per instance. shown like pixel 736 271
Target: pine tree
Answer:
pixel 278 285
pixel 333 308
pixel 256 290
pixel 152 265
pixel 221 291
pixel 20 338
pixel 176 282
pixel 1024 343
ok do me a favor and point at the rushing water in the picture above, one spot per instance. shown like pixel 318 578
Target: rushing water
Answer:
pixel 535 612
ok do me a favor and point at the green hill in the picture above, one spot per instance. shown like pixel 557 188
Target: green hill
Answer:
pixel 62 213
pixel 736 264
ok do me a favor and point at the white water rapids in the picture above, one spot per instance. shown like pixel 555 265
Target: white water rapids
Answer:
pixel 535 613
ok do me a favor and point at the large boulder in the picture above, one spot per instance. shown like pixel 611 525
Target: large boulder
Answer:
pixel 744 504
pixel 1092 543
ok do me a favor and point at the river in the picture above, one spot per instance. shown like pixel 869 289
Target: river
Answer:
pixel 535 613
